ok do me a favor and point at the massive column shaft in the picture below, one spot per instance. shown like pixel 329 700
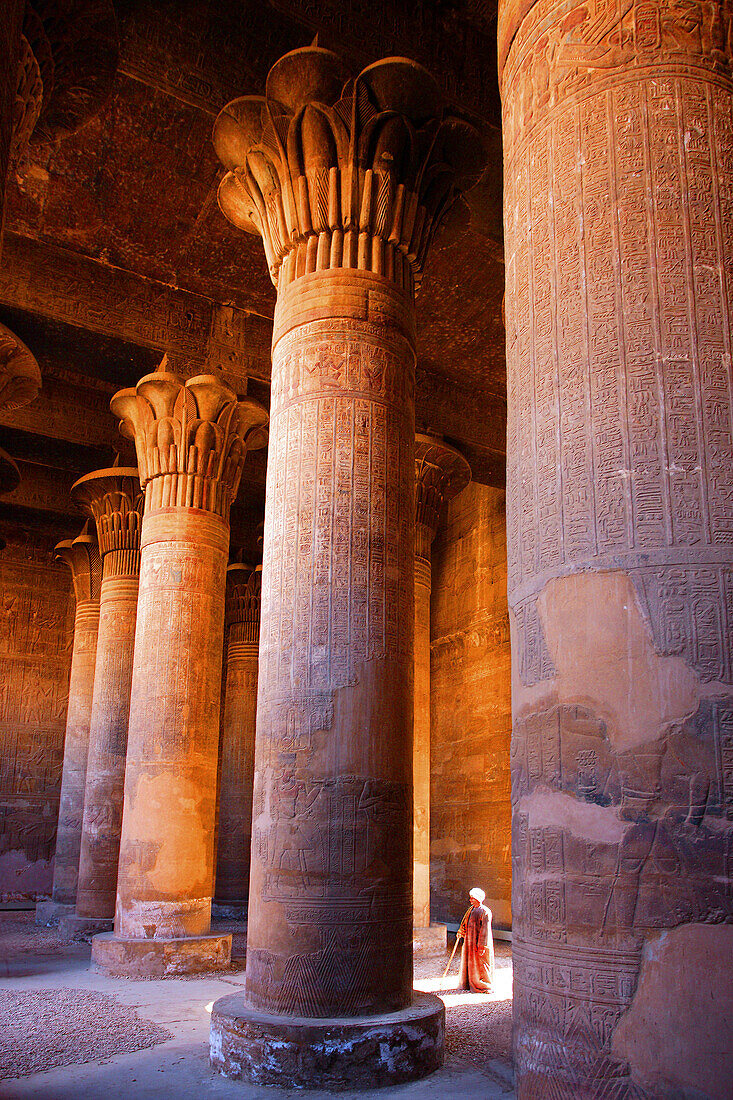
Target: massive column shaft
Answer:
pixel 244 585
pixel 191 440
pixel 618 129
pixel 333 174
pixel 82 557
pixel 112 497
pixel 440 473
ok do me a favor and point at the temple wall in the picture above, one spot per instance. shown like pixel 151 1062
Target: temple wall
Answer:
pixel 36 633
pixel 470 708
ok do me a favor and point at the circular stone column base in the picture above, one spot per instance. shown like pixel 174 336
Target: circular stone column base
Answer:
pixel 169 958
pixel 49 913
pixel 73 927
pixel 340 1053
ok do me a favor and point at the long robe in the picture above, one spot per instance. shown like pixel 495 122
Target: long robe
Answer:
pixel 477 971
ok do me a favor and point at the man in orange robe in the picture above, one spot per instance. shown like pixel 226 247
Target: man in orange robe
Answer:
pixel 477 952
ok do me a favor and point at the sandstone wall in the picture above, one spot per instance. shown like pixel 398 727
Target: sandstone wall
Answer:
pixel 36 634
pixel 471 708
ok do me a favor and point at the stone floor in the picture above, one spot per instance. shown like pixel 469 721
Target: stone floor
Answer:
pixel 35 961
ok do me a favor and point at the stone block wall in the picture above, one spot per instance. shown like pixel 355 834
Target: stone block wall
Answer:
pixel 36 635
pixel 470 708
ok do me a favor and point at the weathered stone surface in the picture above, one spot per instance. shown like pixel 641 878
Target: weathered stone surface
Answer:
pixel 20 376
pixel 82 557
pixel 618 135
pixel 441 473
pixel 49 913
pixel 674 1035
pixel 36 631
pixel 75 927
pixel 191 439
pixel 113 498
pixel 234 830
pixel 471 720
pixel 10 33
pixel 162 957
pixel 354 1053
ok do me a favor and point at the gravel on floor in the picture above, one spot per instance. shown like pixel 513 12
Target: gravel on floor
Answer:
pixel 44 1028
pixel 20 935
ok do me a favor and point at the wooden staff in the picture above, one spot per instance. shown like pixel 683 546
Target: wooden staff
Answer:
pixel 455 945
pixel 450 960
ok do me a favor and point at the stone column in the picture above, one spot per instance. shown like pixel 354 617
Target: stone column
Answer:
pixel 244 589
pixel 82 557
pixel 112 497
pixel 345 180
pixel 191 438
pixel 618 135
pixel 441 473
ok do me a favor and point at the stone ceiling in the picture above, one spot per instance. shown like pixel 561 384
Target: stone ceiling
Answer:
pixel 115 249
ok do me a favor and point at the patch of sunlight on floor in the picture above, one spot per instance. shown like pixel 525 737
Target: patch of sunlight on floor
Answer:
pixel 448 991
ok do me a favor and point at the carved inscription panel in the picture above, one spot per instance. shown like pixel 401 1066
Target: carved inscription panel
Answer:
pixel 331 924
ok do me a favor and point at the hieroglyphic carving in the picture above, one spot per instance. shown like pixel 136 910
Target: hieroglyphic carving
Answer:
pixel 243 600
pixel 80 291
pixel 470 708
pixel 551 57
pixel 328 839
pixel 619 171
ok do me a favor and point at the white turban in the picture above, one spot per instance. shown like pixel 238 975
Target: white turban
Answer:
pixel 477 893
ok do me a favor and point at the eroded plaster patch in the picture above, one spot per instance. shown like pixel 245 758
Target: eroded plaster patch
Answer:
pixel 165 810
pixel 606 660
pixel 585 820
pixel 677 1035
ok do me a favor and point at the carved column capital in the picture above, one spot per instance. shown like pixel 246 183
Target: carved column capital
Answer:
pixel 338 171
pixel 192 437
pixel 67 61
pixel 441 472
pixel 114 500
pixel 20 375
pixel 243 601
pixel 82 557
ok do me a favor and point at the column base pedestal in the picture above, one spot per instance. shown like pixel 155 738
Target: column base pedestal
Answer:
pixel 229 910
pixel 49 913
pixel 73 927
pixel 169 958
pixel 432 938
pixel 339 1053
